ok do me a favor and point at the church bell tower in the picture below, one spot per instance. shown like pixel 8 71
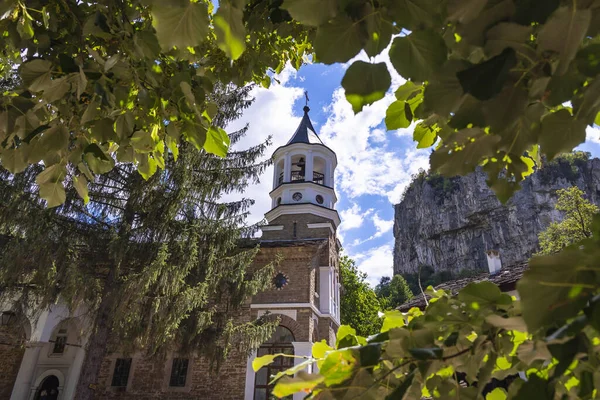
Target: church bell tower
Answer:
pixel 303 197
pixel 301 233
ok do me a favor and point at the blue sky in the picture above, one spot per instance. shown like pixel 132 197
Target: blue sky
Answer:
pixel 374 165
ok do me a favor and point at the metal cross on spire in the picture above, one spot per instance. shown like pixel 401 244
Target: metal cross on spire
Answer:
pixel 306 96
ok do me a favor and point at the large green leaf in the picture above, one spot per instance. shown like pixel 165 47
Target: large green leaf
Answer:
pixel 217 141
pixel 416 14
pixel 180 27
pixel 338 40
pixel 556 287
pixel 563 34
pixel 54 193
pixel 231 34
pixel 485 80
pixel 311 12
pixel 507 34
pixel 143 142
pixel 588 60
pixel 464 11
pixel 418 55
pixel 36 74
pixel 560 133
pixel 424 135
pixel 97 160
pixel 443 93
pixel 365 83
pixel 380 32
pixel 407 90
pixel 13 160
pixel 302 382
pixel 80 184
pixel 395 116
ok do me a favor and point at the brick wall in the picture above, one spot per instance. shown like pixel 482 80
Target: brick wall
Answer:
pixel 12 339
pixel 149 379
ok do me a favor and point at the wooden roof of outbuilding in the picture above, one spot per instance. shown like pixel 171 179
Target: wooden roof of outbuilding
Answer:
pixel 506 279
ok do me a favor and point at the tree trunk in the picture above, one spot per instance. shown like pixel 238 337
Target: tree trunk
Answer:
pixel 96 345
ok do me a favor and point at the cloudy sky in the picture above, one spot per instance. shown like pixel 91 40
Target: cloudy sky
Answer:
pixel 374 165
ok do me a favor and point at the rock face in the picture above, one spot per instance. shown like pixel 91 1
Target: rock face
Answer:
pixel 449 223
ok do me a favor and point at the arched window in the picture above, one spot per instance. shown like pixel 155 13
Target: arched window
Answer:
pixel 280 342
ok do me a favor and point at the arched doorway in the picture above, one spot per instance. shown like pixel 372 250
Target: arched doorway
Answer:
pixel 48 390
pixel 280 342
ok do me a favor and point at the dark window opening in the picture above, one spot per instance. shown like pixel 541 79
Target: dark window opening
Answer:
pixel 280 342
pixel 121 372
pixel 179 372
pixel 60 342
pixel 295 229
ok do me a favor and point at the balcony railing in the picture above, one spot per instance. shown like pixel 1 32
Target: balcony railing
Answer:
pixel 318 178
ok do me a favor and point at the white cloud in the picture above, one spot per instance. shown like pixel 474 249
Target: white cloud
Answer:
pixel 353 217
pixel 376 262
pixel 592 134
pixel 382 225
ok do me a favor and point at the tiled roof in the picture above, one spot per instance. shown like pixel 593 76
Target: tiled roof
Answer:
pixel 506 279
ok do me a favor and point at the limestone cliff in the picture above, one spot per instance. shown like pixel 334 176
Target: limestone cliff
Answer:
pixel 448 223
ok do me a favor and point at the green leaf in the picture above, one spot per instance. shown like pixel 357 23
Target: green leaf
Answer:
pixel 400 390
pixel 180 27
pixel 231 34
pixel 13 160
pixel 103 131
pixel 416 14
pixel 464 11
pixel 418 55
pixel 496 394
pixel 338 366
pixel 55 139
pixel 550 289
pixel 262 361
pixel 443 93
pixel 563 34
pixel 54 193
pixel 80 184
pixel 311 12
pixel 535 388
pixel 463 151
pixel 53 173
pixel 510 323
pixel 483 293
pixel 485 80
pixel 560 133
pixel 142 142
pixel 365 83
pixel 392 319
pixel 509 35
pixel 338 40
pixel 97 160
pixel 395 116
pixel 588 60
pixel 597 120
pixel 424 135
pixel 343 331
pixel 407 91
pixel 36 74
pixel 217 141
pixel 302 382
pixel 147 165
pixel 320 348
pixel 380 33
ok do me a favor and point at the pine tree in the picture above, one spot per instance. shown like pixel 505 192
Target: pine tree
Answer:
pixel 156 261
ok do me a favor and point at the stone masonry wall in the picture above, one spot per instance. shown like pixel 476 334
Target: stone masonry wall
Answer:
pixel 12 348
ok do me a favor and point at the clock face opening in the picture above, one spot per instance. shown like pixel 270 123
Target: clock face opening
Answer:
pixel 297 196
pixel 319 199
pixel 280 280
